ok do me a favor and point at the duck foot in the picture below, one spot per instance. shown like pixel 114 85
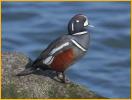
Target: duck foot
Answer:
pixel 61 76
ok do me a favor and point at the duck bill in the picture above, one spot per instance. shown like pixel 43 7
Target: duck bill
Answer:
pixel 91 26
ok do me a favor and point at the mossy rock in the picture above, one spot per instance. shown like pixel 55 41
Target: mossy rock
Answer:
pixel 37 85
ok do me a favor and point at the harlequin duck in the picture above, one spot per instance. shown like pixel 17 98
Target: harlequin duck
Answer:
pixel 65 50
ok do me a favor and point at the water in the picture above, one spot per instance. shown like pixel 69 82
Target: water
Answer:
pixel 29 27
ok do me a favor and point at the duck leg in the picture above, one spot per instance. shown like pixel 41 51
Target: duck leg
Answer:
pixel 62 77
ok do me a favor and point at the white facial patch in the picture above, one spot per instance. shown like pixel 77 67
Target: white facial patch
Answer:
pixel 72 26
pixel 59 48
pixel 86 23
pixel 77 21
pixel 78 45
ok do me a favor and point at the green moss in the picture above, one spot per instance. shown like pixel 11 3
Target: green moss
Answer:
pixel 52 92
pixel 10 91
pixel 74 91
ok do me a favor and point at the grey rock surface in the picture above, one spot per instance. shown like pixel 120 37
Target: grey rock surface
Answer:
pixel 38 85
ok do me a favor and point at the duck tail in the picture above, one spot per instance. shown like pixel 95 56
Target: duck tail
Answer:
pixel 29 69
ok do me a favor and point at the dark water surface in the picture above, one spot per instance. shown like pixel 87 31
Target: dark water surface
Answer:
pixel 30 27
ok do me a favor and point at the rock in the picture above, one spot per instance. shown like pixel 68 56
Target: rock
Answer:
pixel 38 85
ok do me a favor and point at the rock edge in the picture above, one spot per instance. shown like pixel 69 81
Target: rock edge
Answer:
pixel 38 85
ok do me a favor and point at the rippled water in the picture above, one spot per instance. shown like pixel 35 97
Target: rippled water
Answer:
pixel 30 27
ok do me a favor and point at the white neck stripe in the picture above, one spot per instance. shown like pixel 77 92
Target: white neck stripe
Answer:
pixel 78 45
pixel 80 33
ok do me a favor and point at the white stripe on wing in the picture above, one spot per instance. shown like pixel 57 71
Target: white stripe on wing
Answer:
pixel 50 59
pixel 59 48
